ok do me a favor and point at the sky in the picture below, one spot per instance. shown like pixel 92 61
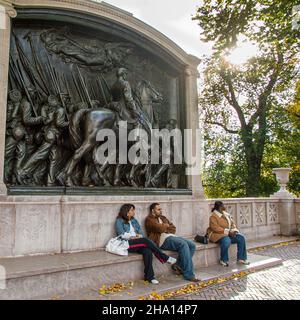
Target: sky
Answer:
pixel 173 19
pixel 170 17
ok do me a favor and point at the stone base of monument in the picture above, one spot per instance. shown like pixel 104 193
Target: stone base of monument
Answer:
pixel 32 225
pixel 62 224
pixel 47 276
pixel 54 244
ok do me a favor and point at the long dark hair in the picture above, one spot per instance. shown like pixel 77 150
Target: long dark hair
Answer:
pixel 124 210
pixel 217 206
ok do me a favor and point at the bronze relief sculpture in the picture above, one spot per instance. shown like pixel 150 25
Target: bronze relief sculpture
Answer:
pixel 63 90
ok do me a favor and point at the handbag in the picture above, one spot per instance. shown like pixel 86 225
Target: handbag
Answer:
pixel 117 246
pixel 201 239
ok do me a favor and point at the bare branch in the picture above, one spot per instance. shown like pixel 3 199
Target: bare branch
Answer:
pixel 232 99
pixel 253 118
pixel 223 126
pixel 262 100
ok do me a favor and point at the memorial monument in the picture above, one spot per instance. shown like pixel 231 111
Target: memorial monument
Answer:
pixel 68 70
pixel 71 70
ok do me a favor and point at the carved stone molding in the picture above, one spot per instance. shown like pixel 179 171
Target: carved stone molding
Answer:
pixel 245 214
pixel 115 14
pixel 273 216
pixel 6 3
pixel 260 213
pixel 231 209
pixel 191 72
pixel 10 11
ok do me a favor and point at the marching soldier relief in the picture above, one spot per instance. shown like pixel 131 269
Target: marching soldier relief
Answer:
pixel 65 86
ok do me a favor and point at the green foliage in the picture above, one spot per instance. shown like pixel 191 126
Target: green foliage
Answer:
pixel 225 175
pixel 282 150
pixel 248 131
pixel 268 22
pixel 294 108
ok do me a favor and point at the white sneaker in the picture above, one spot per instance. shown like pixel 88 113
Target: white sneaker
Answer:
pixel 245 262
pixel 223 263
pixel 171 260
pixel 154 281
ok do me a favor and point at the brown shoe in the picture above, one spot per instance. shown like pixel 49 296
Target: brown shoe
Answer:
pixel 176 269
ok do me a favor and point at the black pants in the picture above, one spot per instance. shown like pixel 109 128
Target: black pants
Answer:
pixel 146 247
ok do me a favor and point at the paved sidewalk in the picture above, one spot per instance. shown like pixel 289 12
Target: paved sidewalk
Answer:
pixel 277 283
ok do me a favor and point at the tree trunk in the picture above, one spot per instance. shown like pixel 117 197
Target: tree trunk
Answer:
pixel 253 178
pixel 253 153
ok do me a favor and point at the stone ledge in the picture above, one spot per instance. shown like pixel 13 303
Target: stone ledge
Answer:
pixel 33 265
pixel 172 283
pixel 18 267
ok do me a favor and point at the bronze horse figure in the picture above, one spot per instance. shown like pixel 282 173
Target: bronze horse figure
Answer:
pixel 85 124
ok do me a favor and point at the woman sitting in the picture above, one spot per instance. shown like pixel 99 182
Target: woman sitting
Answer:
pixel 222 229
pixel 129 228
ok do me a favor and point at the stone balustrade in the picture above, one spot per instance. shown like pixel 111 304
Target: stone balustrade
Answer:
pixel 43 225
pixel 255 217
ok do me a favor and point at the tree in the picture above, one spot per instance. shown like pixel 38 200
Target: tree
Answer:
pixel 294 108
pixel 224 172
pixel 239 99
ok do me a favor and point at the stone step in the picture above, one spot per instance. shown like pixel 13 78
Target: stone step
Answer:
pixel 60 274
pixel 170 283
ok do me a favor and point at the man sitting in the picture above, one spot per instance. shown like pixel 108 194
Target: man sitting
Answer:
pixel 160 230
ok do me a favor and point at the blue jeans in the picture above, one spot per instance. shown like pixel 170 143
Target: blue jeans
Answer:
pixel 225 243
pixel 186 249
